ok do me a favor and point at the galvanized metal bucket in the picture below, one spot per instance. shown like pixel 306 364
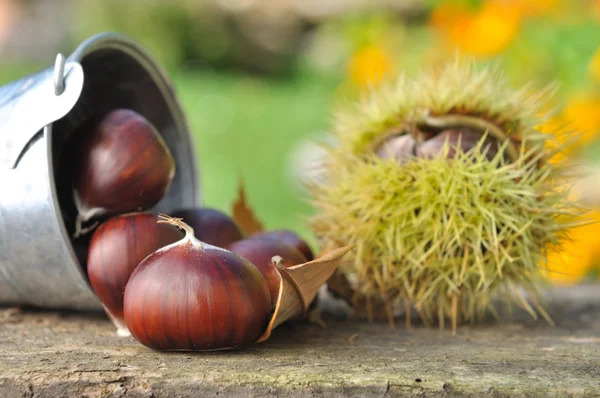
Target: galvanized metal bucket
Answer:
pixel 41 264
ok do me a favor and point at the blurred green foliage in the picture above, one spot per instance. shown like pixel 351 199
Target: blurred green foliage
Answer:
pixel 178 31
pixel 550 52
pixel 246 127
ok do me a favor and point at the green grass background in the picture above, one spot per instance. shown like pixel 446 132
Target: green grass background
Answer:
pixel 248 126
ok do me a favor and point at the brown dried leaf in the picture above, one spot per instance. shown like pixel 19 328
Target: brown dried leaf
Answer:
pixel 244 215
pixel 299 286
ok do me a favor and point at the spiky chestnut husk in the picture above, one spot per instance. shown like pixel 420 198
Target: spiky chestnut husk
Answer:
pixel 443 236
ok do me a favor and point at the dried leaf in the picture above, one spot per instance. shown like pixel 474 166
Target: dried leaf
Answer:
pixel 243 214
pixel 299 286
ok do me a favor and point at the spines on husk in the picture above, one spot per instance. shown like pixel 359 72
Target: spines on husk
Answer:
pixel 444 236
pixel 455 88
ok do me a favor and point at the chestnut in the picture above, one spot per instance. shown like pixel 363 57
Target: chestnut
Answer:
pixel 193 296
pixel 210 225
pixel 116 248
pixel 289 237
pixel 398 148
pixel 121 165
pixel 466 138
pixel 260 252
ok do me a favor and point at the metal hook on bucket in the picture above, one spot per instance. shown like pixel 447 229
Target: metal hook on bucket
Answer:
pixel 59 74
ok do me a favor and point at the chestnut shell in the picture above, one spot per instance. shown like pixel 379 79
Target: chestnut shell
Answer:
pixel 260 252
pixel 121 164
pixel 183 298
pixel 210 226
pixel 468 139
pixel 398 147
pixel 288 237
pixel 117 247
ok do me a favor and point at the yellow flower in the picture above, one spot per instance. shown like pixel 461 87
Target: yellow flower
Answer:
pixel 568 266
pixel 582 113
pixel 446 15
pixel 595 64
pixel 369 66
pixel 575 127
pixel 557 143
pixel 486 32
pixel 578 255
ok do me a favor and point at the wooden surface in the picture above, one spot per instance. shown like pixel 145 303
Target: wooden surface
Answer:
pixel 49 354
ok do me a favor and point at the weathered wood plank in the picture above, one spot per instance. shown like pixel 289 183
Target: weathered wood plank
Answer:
pixel 65 354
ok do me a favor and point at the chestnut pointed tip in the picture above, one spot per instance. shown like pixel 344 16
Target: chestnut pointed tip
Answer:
pixel 211 226
pixel 176 222
pixel 278 261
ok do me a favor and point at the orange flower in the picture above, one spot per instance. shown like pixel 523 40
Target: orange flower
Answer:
pixel 575 127
pixel 492 30
pixel 446 15
pixel 486 32
pixel 578 255
pixel 568 266
pixel 369 66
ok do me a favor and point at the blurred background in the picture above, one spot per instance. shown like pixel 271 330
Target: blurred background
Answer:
pixel 260 78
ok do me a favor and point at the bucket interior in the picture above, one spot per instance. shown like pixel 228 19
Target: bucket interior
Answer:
pixel 114 78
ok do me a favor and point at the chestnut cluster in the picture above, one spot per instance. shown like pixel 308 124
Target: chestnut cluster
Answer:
pixel 208 289
pixel 428 144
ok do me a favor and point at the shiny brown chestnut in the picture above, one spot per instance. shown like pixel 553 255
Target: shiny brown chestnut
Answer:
pixel 210 226
pixel 116 249
pixel 288 237
pixel 121 165
pixel 192 296
pixel 260 252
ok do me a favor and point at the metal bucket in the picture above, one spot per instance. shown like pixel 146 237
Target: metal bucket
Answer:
pixel 41 264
